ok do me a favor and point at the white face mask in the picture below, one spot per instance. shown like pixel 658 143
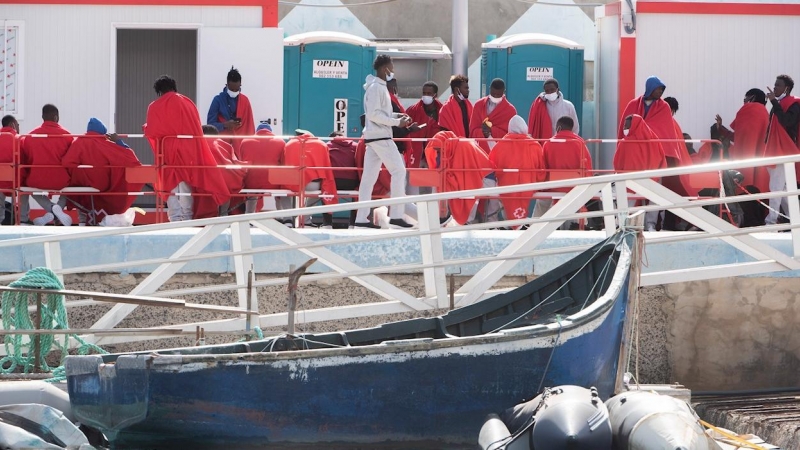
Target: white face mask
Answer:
pixel 234 94
pixel 625 132
pixel 551 97
pixel 460 96
pixel 780 97
pixel 495 100
pixel 390 76
pixel 427 99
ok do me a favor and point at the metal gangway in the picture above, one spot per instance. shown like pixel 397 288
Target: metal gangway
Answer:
pixel 430 257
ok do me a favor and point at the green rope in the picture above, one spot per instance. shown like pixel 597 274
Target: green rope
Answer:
pixel 259 334
pixel 20 347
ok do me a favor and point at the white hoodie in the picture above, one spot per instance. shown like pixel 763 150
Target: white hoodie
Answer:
pixel 378 110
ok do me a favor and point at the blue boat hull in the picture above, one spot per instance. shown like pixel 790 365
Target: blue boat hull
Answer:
pixel 417 393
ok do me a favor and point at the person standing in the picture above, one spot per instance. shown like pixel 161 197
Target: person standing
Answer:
pixel 748 133
pixel 190 165
pixel 781 138
pixel 491 115
pixel 457 110
pixel 8 136
pixel 545 111
pixel 424 112
pixel 379 120
pixel 230 111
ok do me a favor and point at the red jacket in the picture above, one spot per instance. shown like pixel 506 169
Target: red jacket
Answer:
pixel 571 154
pixel 7 141
pixel 500 116
pixel 41 151
pixel 522 152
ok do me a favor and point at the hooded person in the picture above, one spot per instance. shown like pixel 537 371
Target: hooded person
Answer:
pixel 639 150
pixel 231 170
pixel 524 155
pixel 266 150
pixel 424 112
pixel 457 110
pixel 230 111
pixel 43 156
pixel 564 151
pixel 782 134
pixel 380 148
pixel 547 108
pixel 109 156
pixel 189 164
pixel 465 164
pixel 490 115
pixel 658 115
pixel 748 134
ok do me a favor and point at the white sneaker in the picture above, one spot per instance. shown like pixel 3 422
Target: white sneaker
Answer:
pixel 62 217
pixel 44 220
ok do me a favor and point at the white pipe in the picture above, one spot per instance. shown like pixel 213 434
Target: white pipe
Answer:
pixel 460 39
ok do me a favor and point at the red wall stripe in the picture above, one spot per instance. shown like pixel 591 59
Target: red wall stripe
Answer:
pixel 750 9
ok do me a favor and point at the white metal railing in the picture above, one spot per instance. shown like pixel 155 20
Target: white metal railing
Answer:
pixel 611 190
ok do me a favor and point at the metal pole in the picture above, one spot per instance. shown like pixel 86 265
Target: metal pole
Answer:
pixel 249 319
pixel 294 276
pixel 460 39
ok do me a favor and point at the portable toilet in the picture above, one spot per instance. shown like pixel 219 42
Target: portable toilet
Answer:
pixel 526 60
pixel 323 82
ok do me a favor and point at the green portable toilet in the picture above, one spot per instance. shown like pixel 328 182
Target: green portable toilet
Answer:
pixel 526 60
pixel 323 78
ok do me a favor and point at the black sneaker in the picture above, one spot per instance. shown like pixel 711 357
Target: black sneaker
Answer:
pixel 365 225
pixel 400 223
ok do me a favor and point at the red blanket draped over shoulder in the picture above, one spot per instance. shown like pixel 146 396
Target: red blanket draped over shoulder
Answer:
pixel 107 175
pixel 204 207
pixel 679 184
pixel 778 142
pixel 49 151
pixel 567 151
pixel 750 128
pixel 451 118
pixel 518 151
pixel 314 154
pixel 632 156
pixel 540 126
pixel 244 111
pixel 7 141
pixel 500 116
pixel 413 154
pixel 466 165
pixel 173 114
pixel 659 120
pixel 383 185
pixel 267 151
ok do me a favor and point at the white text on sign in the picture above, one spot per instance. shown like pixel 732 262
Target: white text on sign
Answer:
pixel 330 68
pixel 539 73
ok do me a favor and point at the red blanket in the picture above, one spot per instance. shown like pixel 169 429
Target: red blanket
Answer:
pixel 39 151
pixel 244 111
pixel 500 116
pixel 451 118
pixel 679 184
pixel 7 141
pixel 413 154
pixel 383 185
pixel 778 142
pixel 704 154
pixel 539 124
pixel 659 120
pixel 466 165
pixel 173 114
pixel 518 151
pixel 308 151
pixel 750 127
pixel 632 156
pixel 261 152
pixel 107 175
pixel 204 207
pixel 569 155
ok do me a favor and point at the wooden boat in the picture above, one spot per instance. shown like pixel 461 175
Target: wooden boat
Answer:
pixel 421 383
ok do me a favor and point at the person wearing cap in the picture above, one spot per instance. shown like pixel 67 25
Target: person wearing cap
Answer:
pixel 108 156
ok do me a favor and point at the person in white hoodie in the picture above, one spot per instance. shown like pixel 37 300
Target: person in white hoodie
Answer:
pixel 379 120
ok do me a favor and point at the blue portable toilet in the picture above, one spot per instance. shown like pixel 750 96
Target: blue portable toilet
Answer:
pixel 526 60
pixel 323 75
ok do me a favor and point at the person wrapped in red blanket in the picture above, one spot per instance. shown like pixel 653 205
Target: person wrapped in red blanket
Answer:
pixel 524 155
pixel 189 164
pixel 43 156
pixel 566 151
pixel 230 111
pixel 466 167
pixel 784 127
pixel 233 174
pixel 267 150
pixel 306 150
pixel 424 112
pixel 491 115
pixel 457 110
pixel 748 134
pixel 547 108
pixel 639 149
pixel 8 142
pixel 109 156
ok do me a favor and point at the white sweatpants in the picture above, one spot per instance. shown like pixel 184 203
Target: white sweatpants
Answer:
pixel 382 152
pixel 777 182
pixel 179 207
